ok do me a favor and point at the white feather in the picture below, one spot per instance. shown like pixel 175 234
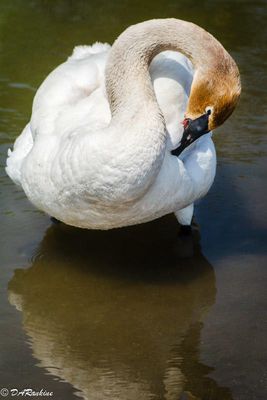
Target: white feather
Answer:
pixel 58 160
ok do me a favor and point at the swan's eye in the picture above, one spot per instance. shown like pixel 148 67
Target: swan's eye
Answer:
pixel 209 110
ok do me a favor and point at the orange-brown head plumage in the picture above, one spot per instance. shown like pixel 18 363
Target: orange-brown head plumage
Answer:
pixel 216 88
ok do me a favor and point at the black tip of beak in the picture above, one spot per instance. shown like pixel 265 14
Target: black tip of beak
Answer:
pixel 194 130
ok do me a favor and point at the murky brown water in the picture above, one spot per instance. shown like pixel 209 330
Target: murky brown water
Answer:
pixel 137 313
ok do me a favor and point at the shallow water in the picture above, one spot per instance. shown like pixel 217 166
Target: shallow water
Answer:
pixel 137 313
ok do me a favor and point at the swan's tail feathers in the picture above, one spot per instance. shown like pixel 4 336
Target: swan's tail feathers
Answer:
pixel 22 147
pixel 80 52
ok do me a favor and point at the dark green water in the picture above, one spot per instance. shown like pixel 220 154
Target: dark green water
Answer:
pixel 137 313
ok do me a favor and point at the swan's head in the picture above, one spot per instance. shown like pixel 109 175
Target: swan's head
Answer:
pixel 215 93
pixel 213 98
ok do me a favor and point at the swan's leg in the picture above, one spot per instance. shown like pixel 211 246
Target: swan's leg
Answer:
pixel 55 221
pixel 184 217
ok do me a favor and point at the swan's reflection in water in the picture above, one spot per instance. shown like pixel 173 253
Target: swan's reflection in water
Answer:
pixel 118 314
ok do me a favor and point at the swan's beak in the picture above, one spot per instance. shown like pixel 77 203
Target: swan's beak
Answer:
pixel 193 130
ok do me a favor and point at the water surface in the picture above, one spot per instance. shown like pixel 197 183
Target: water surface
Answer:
pixel 137 313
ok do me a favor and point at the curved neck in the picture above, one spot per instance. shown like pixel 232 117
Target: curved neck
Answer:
pixel 128 81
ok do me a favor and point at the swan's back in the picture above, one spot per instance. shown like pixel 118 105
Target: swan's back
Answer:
pixel 73 98
pixel 65 97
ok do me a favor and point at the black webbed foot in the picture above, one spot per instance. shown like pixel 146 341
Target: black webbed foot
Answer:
pixel 54 220
pixel 185 230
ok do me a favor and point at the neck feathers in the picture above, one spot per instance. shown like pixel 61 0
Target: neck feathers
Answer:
pixel 127 72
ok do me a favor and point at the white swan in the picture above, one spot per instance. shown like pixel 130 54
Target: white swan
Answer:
pixel 97 151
